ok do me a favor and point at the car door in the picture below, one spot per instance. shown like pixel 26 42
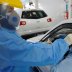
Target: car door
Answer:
pixel 58 32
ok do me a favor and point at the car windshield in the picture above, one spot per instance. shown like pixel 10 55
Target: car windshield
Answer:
pixel 33 14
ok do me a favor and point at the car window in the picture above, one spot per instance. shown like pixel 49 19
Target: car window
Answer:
pixel 42 14
pixel 61 29
pixel 33 14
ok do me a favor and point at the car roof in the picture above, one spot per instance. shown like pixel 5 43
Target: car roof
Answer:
pixel 40 37
pixel 60 23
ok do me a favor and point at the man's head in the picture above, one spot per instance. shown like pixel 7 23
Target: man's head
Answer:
pixel 8 17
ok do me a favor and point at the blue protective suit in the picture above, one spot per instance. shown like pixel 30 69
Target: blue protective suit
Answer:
pixel 18 55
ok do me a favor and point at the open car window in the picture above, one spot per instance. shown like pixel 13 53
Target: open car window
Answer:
pixel 63 29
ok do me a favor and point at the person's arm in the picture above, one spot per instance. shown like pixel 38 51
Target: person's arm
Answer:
pixel 66 64
pixel 17 51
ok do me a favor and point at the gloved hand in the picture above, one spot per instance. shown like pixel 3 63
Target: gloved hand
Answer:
pixel 68 39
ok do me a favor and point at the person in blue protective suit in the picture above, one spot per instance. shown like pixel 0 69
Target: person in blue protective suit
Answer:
pixel 18 55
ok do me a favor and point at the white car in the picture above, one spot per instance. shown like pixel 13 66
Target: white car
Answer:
pixel 33 21
pixel 59 31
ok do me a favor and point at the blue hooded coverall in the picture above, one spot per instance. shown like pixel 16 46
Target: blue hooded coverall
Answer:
pixel 18 55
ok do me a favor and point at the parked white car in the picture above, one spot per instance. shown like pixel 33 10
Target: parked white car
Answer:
pixel 59 31
pixel 33 21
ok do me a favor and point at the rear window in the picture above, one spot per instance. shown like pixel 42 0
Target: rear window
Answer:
pixel 33 14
